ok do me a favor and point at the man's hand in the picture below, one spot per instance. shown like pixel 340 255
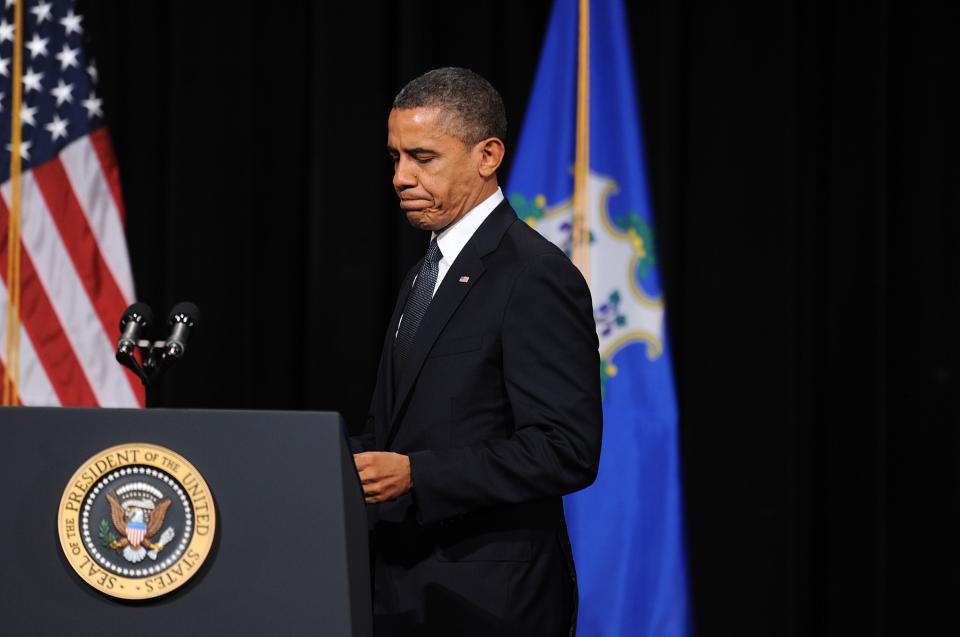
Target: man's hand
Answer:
pixel 384 475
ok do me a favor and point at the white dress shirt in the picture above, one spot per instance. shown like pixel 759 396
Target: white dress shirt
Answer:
pixel 452 238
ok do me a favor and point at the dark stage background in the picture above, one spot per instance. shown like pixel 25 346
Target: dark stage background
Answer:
pixel 803 163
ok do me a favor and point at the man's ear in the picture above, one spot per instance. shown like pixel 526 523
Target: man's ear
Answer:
pixel 491 156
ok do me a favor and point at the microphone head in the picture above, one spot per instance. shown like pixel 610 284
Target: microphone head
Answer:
pixel 140 313
pixel 186 313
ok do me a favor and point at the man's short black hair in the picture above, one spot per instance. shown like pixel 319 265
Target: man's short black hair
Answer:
pixel 472 108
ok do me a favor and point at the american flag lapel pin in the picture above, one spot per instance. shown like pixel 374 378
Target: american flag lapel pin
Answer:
pixel 464 279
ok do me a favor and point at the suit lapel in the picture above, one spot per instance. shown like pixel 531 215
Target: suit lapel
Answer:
pixel 386 380
pixel 448 298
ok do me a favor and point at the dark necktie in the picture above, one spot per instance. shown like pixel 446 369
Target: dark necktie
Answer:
pixel 417 303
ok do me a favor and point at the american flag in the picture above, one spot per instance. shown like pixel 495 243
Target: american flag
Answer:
pixel 75 278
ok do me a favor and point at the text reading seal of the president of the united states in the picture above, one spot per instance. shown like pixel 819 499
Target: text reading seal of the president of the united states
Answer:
pixel 136 521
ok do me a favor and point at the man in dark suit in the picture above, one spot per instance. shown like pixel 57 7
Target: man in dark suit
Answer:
pixel 487 404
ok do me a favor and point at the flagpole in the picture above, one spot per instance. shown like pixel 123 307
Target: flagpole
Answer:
pixel 11 370
pixel 581 168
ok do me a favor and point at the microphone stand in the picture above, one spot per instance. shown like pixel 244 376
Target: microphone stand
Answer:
pixel 156 361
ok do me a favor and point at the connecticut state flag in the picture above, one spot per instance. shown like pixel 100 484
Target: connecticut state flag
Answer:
pixel 579 178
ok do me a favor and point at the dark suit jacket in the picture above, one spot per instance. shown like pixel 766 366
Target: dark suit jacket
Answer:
pixel 498 407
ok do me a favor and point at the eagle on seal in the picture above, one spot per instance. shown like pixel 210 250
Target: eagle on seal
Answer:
pixel 137 526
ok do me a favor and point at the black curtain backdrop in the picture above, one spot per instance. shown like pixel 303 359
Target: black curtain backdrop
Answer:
pixel 803 166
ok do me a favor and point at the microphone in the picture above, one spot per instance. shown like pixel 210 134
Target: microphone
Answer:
pixel 184 318
pixel 135 320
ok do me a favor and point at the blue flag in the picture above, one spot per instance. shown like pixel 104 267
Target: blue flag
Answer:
pixel 579 178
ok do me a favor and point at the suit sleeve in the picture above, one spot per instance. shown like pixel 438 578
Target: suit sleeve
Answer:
pixel 367 440
pixel 364 441
pixel 551 374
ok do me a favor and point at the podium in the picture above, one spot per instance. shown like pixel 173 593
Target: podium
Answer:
pixel 289 548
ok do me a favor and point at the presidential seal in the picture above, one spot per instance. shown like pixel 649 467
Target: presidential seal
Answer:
pixel 136 521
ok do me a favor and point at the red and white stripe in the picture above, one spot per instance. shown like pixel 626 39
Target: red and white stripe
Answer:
pixel 75 279
pixel 135 536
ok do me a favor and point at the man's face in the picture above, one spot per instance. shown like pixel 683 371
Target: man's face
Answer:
pixel 435 174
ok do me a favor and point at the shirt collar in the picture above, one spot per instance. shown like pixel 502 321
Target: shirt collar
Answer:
pixel 451 240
